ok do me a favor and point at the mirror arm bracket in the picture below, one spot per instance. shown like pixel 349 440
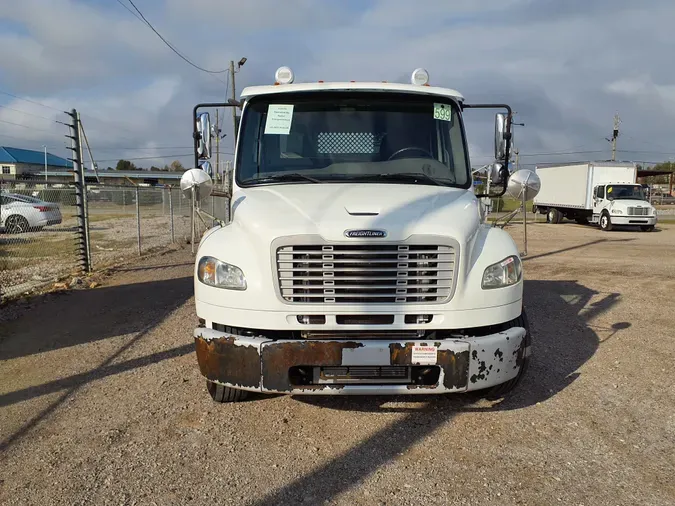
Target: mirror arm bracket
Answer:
pixel 195 133
pixel 507 137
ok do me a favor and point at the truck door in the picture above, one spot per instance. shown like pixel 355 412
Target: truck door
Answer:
pixel 598 202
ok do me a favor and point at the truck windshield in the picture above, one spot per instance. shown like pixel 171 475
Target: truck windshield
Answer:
pixel 349 136
pixel 626 191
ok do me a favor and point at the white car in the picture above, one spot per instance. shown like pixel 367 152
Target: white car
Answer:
pixel 21 213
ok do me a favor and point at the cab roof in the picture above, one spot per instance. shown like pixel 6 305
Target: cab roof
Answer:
pixel 279 89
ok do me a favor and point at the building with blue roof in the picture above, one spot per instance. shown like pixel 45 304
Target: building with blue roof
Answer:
pixel 16 162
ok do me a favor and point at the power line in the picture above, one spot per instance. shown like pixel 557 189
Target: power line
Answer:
pixel 27 113
pixel 159 157
pixel 168 44
pixel 31 101
pixel 25 126
pixel 122 148
pixel 645 152
pixel 561 153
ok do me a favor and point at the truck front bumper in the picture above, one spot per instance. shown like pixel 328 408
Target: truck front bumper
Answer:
pixel 622 220
pixel 360 367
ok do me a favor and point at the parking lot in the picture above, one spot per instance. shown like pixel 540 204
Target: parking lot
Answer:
pixel 101 400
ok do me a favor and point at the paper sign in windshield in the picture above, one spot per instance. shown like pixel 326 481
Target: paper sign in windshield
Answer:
pixel 443 112
pixel 279 118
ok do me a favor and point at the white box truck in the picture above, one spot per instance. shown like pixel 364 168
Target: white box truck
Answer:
pixel 604 193
pixel 355 259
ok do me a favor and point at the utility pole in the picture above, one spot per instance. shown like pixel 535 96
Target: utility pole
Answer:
pixel 235 118
pixel 615 134
pixel 218 171
pixel 516 151
pixel 45 163
pixel 517 159
pixel 233 97
pixel 80 192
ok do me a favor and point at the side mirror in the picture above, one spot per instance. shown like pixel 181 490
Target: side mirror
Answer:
pixel 197 181
pixel 501 142
pixel 497 173
pixel 204 131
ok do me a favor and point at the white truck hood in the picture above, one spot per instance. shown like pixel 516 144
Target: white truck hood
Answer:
pixel 624 204
pixel 332 208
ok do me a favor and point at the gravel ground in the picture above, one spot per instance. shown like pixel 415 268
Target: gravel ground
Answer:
pixel 114 410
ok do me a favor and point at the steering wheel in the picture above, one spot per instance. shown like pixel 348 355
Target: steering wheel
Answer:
pixel 411 148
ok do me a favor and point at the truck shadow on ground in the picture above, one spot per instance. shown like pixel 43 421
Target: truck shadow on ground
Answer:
pixel 559 314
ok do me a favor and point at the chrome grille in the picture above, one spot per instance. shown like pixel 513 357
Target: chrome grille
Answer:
pixel 638 211
pixel 365 273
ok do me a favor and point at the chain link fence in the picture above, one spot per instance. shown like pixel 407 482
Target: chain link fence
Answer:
pixel 40 237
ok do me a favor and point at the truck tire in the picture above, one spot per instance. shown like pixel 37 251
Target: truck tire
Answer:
pixel 605 222
pixel 221 393
pixel 553 216
pixel 499 391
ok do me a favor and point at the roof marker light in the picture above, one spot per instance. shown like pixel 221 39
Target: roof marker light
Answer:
pixel 284 75
pixel 420 77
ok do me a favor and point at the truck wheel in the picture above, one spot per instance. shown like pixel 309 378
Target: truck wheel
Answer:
pixel 647 228
pixel 221 393
pixel 499 391
pixel 553 216
pixel 605 222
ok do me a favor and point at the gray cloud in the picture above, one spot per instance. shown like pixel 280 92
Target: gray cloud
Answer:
pixel 565 67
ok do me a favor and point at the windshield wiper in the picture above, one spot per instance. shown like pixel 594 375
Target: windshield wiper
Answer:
pixel 291 176
pixel 406 176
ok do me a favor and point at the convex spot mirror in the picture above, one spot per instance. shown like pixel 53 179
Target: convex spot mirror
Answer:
pixel 524 182
pixel 501 143
pixel 204 131
pixel 198 181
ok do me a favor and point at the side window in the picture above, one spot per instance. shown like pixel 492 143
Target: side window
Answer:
pixel 600 192
pixel 6 169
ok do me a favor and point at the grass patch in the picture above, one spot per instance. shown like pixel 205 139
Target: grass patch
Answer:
pixel 14 255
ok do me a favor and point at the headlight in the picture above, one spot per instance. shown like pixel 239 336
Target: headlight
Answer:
pixel 505 273
pixel 213 272
pixel 617 211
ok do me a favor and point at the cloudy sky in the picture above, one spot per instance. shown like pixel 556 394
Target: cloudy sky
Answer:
pixel 566 67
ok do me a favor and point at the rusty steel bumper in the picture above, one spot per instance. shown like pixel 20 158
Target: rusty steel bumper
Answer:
pixel 264 365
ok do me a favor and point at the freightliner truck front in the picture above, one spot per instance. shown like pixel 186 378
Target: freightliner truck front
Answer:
pixel 356 259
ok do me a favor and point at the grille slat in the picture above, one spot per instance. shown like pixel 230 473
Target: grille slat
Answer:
pixel 365 273
pixel 638 211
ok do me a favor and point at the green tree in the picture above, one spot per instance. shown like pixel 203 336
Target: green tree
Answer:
pixel 125 165
pixel 176 166
pixel 663 166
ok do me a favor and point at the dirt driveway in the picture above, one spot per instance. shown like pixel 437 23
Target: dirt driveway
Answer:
pixel 101 401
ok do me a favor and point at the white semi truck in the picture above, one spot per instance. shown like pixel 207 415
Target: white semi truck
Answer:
pixel 355 260
pixel 604 193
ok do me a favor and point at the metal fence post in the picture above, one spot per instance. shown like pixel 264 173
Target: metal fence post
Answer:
pixel 173 237
pixel 138 218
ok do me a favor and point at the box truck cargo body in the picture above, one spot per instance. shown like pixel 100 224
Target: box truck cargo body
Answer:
pixel 604 193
